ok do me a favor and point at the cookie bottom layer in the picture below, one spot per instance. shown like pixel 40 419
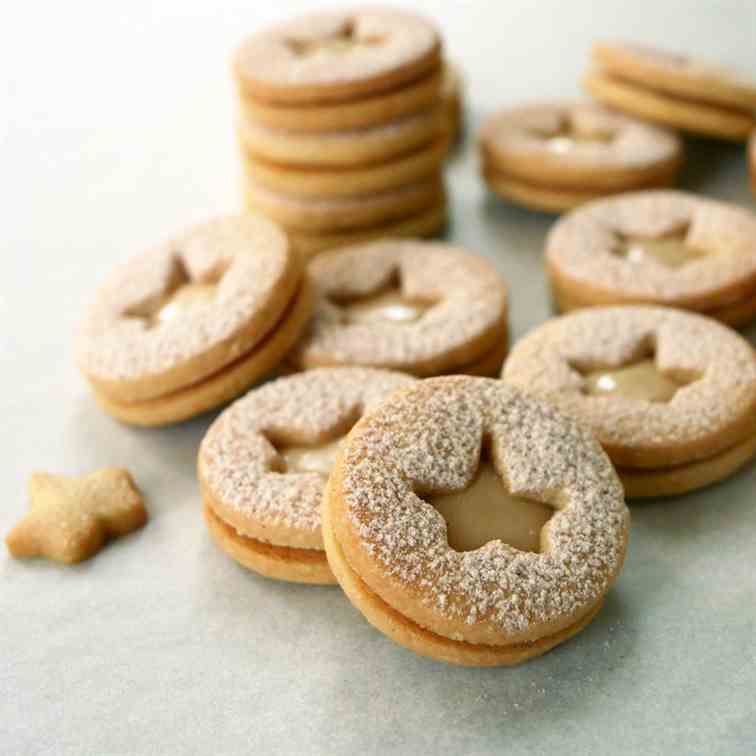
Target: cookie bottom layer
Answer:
pixel 558 199
pixel 663 108
pixel 225 385
pixel 674 481
pixel 277 562
pixel 735 314
pixel 424 642
pixel 426 223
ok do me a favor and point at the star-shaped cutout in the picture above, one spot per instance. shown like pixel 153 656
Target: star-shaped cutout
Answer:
pixel 70 519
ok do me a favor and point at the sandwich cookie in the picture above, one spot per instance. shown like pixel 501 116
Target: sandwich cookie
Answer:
pixel 657 247
pixel 473 524
pixel 555 156
pixel 264 462
pixel 670 395
pixel 423 308
pixel 673 90
pixel 194 322
pixel 337 56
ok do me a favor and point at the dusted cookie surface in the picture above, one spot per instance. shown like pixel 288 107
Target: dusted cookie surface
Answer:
pixel 173 318
pixel 457 306
pixel 673 90
pixel 263 464
pixel 657 247
pixel 670 395
pixel 496 604
pixel 70 519
pixel 554 156
pixel 330 56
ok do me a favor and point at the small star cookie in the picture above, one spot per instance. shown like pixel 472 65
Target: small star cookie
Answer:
pixel 70 519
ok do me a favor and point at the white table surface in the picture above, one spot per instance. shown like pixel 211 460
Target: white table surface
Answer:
pixel 116 130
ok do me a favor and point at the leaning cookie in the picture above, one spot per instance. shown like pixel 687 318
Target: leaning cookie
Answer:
pixel 673 90
pixel 670 395
pixel 555 156
pixel 473 524
pixel 423 308
pixel 264 462
pixel 194 322
pixel 658 247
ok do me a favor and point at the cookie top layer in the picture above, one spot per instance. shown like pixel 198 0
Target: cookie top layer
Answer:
pixel 428 440
pixel 466 308
pixel 676 74
pixel 583 250
pixel 244 476
pixel 330 56
pixel 566 142
pixel 240 272
pixel 714 406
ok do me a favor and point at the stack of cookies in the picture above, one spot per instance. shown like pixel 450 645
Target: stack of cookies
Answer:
pixel 343 127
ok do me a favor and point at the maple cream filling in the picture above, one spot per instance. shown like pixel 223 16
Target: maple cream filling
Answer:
pixel 643 380
pixel 672 251
pixel 182 300
pixel 485 511
pixel 319 458
pixel 386 307
pixel 345 41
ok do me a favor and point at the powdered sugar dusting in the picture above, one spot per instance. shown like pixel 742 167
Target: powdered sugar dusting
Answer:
pixel 470 302
pixel 580 247
pixel 253 257
pixel 720 363
pixel 428 440
pixel 239 463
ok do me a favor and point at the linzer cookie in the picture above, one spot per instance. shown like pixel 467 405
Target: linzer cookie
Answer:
pixel 673 90
pixel 264 462
pixel 670 395
pixel 194 322
pixel 668 248
pixel 473 524
pixel 344 126
pixel 424 308
pixel 328 57
pixel 555 156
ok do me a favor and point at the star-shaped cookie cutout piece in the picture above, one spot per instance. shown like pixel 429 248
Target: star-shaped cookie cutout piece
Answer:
pixel 70 519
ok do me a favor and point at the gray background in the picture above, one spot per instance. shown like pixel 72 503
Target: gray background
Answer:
pixel 116 131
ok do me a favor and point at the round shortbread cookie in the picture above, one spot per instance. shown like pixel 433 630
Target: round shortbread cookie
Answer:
pixel 354 114
pixel 693 116
pixel 544 199
pixel 179 313
pixel 580 147
pixel 324 183
pixel 229 382
pixel 336 56
pixel 263 464
pixel 389 544
pixel 657 247
pixel 353 147
pixel 737 314
pixel 678 75
pixel 661 388
pixel 315 215
pixel 421 307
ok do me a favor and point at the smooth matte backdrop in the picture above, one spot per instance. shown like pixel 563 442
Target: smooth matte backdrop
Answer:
pixel 116 129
